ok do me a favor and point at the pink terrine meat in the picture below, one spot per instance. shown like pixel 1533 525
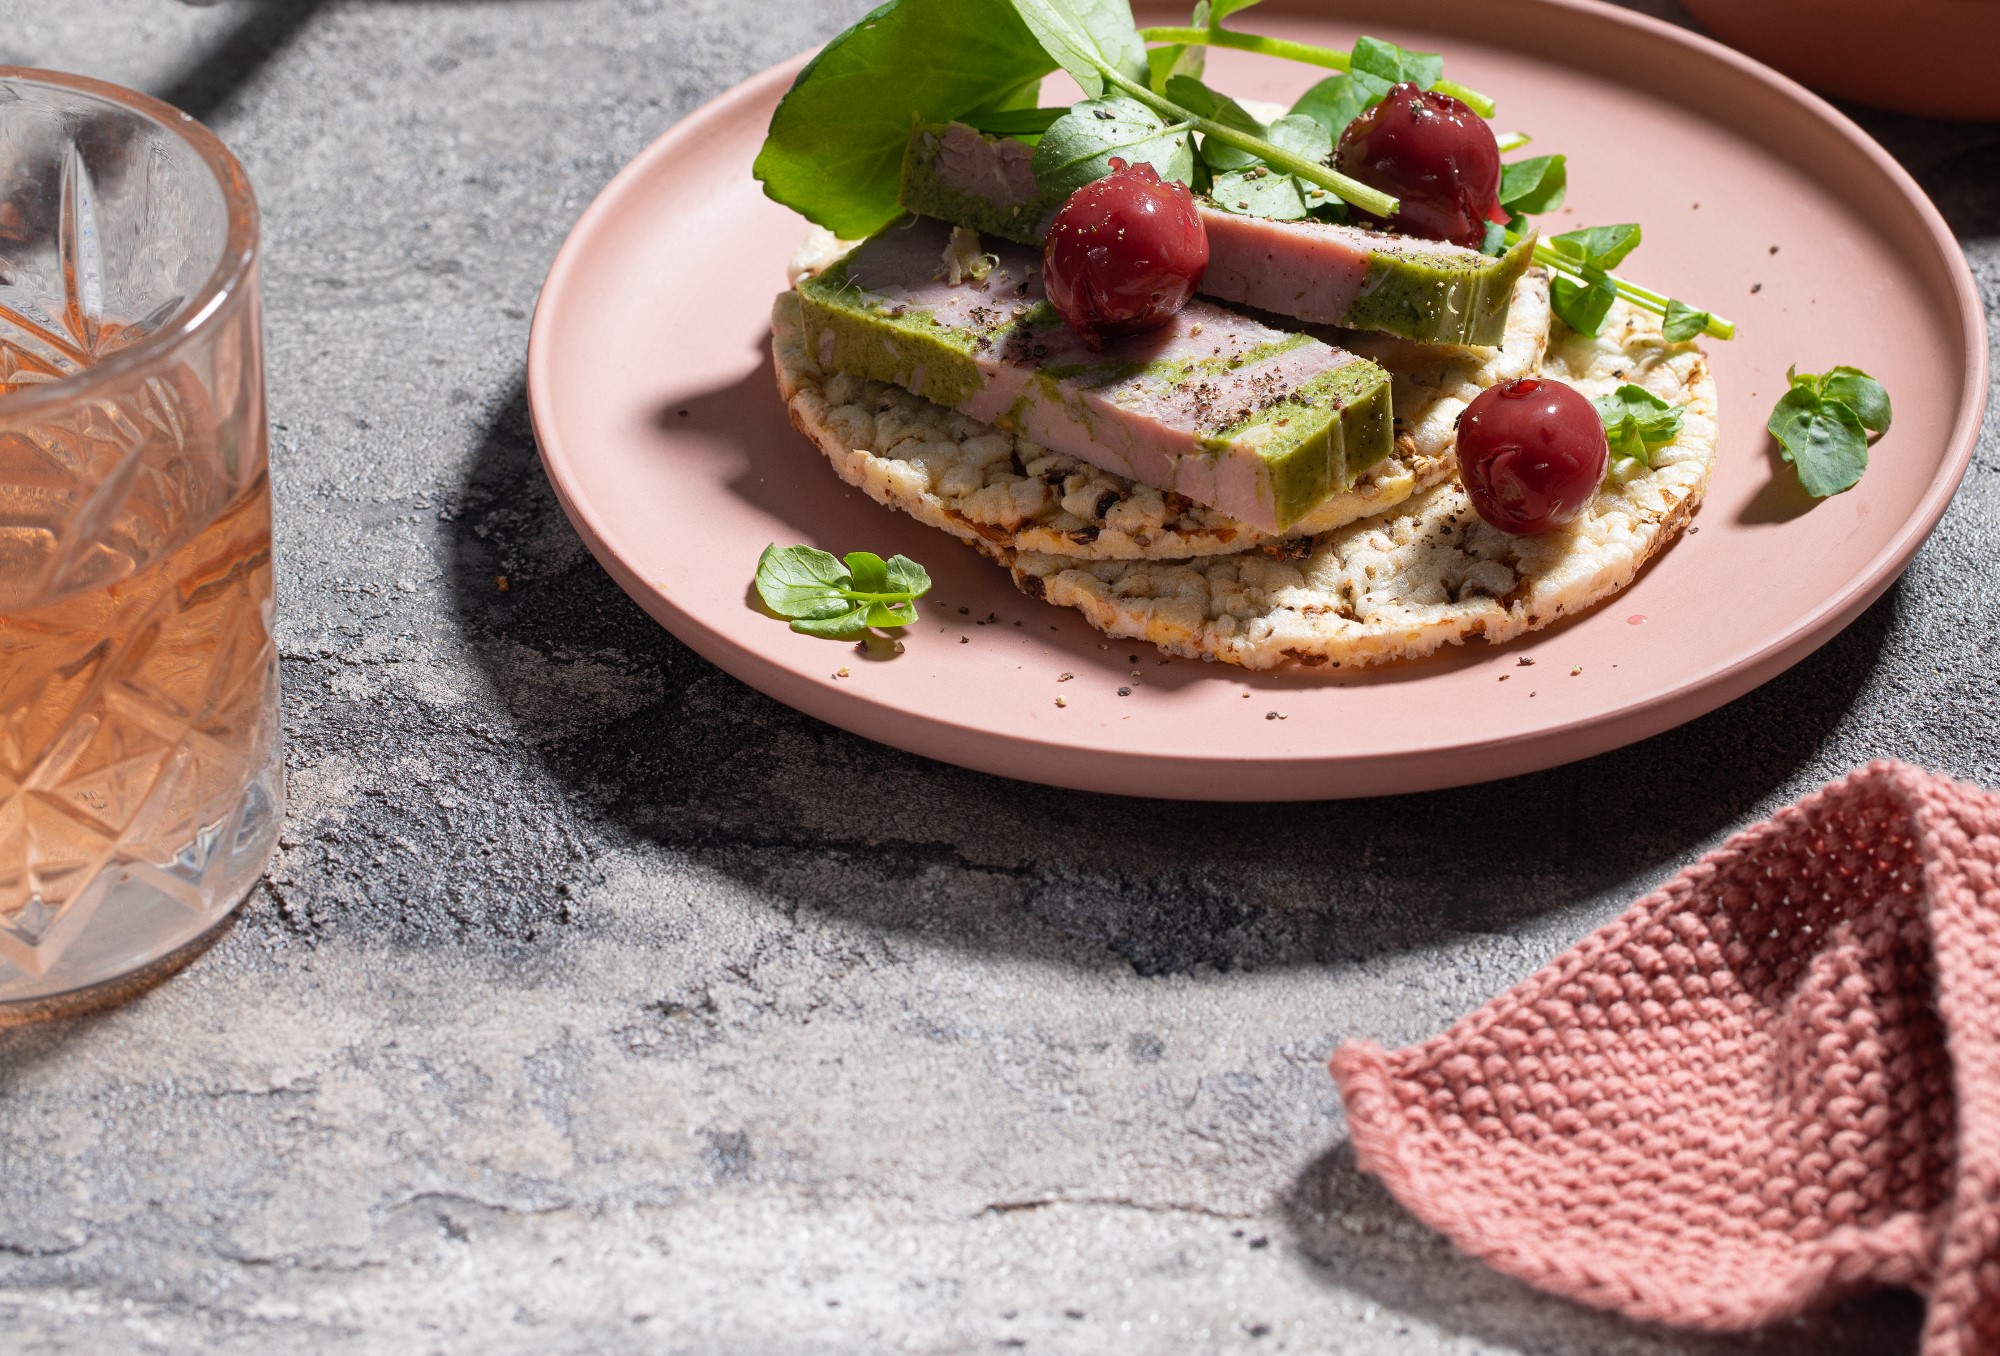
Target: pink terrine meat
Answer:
pixel 1318 271
pixel 1214 405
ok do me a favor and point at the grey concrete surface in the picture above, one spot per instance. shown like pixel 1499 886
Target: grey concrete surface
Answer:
pixel 595 1003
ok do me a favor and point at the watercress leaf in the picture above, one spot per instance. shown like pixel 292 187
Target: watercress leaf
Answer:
pixel 799 581
pixel 1861 393
pixel 891 614
pixel 1376 66
pixel 1196 97
pixel 1850 386
pixel 1199 97
pixel 1425 69
pixel 1204 102
pixel 1632 401
pixel 1598 247
pixel 1303 136
pixel 1376 57
pixel 1110 23
pixel 1531 187
pixel 1078 148
pixel 800 567
pixel 1626 442
pixel 1392 65
pixel 825 597
pixel 1636 421
pixel 835 148
pixel 1222 158
pixel 1085 37
pixel 1683 322
pixel 1164 63
pixel 907 577
pixel 851 621
pixel 1219 10
pixel 830 607
pixel 1583 305
pixel 869 571
pixel 1495 243
pixel 1823 439
pixel 1068 45
pixel 1258 192
pixel 1335 102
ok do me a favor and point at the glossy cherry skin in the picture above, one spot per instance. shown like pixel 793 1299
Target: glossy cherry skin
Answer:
pixel 1436 155
pixel 1531 454
pixel 1124 254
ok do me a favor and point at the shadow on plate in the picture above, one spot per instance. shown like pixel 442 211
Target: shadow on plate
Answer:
pixel 1782 498
pixel 1359 1240
pixel 692 760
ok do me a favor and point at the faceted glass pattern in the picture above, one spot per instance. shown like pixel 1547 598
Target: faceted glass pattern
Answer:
pixel 140 773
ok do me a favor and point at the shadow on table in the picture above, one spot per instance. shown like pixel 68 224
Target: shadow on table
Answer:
pixel 829 822
pixel 205 85
pixel 1359 1240
pixel 263 29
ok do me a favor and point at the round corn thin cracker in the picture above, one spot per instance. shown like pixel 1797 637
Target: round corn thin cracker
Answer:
pixel 1005 492
pixel 1432 573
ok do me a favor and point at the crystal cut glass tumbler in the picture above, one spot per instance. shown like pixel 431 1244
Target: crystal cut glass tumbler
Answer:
pixel 141 783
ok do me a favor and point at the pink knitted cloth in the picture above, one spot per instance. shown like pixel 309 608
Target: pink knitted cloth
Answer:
pixel 1773 1081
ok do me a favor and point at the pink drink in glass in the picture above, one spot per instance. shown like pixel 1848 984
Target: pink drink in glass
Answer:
pixel 141 783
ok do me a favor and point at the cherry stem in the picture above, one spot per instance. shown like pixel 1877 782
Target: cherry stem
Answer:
pixel 1331 58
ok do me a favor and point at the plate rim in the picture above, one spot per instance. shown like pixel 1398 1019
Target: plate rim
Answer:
pixel 1031 756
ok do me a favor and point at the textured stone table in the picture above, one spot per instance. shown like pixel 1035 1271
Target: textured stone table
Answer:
pixel 596 1003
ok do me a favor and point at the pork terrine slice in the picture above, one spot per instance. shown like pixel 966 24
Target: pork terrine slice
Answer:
pixel 1218 407
pixel 1320 272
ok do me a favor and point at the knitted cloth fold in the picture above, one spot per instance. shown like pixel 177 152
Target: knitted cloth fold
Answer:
pixel 1773 1081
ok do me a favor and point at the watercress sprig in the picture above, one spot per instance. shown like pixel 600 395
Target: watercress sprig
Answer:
pixel 824 597
pixel 1637 423
pixel 1585 287
pixel 1585 298
pixel 1531 187
pixel 1213 34
pixel 1823 422
pixel 1527 188
pixel 1583 292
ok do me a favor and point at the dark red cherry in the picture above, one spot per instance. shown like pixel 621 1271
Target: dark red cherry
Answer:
pixel 1531 454
pixel 1124 254
pixel 1436 155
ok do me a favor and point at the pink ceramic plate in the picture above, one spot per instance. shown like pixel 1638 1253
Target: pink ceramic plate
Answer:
pixel 649 376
